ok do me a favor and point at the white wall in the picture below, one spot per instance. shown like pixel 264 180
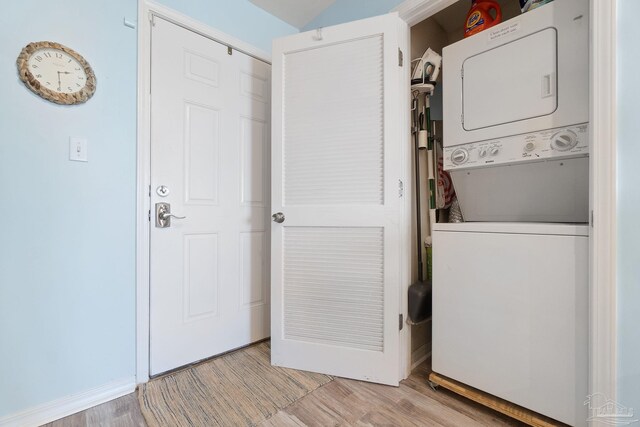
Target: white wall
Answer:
pixel 628 204
pixel 239 18
pixel 67 252
pixel 350 10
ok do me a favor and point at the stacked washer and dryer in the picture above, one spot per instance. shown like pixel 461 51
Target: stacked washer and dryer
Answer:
pixel 510 284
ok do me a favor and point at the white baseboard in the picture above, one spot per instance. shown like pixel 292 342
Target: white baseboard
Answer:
pixel 69 405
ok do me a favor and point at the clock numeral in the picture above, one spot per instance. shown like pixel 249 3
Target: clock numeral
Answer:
pixel 69 87
pixel 78 84
pixel 59 55
pixel 80 78
pixel 34 66
pixel 68 61
pixel 49 83
pixel 47 54
pixel 77 69
pixel 39 58
pixel 38 76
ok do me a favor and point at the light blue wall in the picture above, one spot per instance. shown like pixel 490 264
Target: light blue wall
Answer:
pixel 67 252
pixel 238 18
pixel 68 249
pixel 628 204
pixel 350 10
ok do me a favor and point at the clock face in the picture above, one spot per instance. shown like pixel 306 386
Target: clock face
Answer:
pixel 56 70
pixel 56 73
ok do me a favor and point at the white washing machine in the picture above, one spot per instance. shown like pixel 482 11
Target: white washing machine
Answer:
pixel 510 312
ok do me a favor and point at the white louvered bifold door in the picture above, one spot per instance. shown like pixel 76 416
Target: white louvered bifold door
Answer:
pixel 337 163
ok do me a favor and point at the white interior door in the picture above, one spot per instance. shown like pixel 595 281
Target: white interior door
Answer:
pixel 337 160
pixel 210 162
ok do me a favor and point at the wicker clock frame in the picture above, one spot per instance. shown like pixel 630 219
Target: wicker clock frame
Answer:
pixel 34 85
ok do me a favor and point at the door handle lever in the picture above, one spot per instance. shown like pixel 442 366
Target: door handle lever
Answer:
pixel 164 215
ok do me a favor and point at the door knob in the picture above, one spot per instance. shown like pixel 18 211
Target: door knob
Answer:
pixel 278 217
pixel 164 215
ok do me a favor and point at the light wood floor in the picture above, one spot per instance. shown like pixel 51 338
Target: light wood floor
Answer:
pixel 341 402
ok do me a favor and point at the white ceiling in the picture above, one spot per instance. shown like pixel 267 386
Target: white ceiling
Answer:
pixel 294 12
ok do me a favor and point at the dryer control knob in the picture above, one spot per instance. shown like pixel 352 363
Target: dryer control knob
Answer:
pixel 494 151
pixel 459 156
pixel 529 146
pixel 482 152
pixel 564 140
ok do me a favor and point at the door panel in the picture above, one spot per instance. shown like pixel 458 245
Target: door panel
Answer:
pixel 337 158
pixel 210 147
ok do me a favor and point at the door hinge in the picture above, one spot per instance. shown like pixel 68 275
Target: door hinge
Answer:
pixel 149 215
pixel 152 19
pixel 401 323
pixel 149 190
pixel 229 50
pixel 400 58
pixel 400 188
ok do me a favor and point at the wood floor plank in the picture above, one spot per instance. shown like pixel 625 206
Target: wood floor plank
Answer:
pixel 121 412
pixel 410 406
pixel 282 419
pixel 75 420
pixel 124 412
pixel 481 414
pixel 341 402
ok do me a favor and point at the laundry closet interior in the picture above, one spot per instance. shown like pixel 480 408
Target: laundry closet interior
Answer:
pixel 508 257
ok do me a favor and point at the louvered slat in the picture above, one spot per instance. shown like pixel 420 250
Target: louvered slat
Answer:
pixel 333 124
pixel 333 299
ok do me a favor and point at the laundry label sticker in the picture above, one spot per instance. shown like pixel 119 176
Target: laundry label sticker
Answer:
pixel 503 31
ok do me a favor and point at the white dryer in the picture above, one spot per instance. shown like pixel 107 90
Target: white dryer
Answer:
pixel 516 112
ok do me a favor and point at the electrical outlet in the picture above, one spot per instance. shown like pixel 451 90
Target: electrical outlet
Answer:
pixel 78 149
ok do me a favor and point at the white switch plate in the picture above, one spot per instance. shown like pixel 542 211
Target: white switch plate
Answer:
pixel 78 149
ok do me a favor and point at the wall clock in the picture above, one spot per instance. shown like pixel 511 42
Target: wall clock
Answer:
pixel 56 73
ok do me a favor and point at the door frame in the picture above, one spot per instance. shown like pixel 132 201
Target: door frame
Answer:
pixel 602 175
pixel 146 11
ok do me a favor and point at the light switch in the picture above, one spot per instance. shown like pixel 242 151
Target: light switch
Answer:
pixel 78 149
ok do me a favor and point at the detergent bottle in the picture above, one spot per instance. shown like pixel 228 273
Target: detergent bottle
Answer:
pixel 479 17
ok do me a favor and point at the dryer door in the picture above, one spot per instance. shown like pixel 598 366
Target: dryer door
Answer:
pixel 512 82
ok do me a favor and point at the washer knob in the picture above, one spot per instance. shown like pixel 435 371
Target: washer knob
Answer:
pixel 482 152
pixel 529 146
pixel 564 140
pixel 459 156
pixel 494 151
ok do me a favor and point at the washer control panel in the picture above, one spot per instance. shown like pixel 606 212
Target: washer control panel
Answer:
pixel 556 143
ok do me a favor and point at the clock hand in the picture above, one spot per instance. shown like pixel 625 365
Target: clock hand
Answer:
pixel 59 82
